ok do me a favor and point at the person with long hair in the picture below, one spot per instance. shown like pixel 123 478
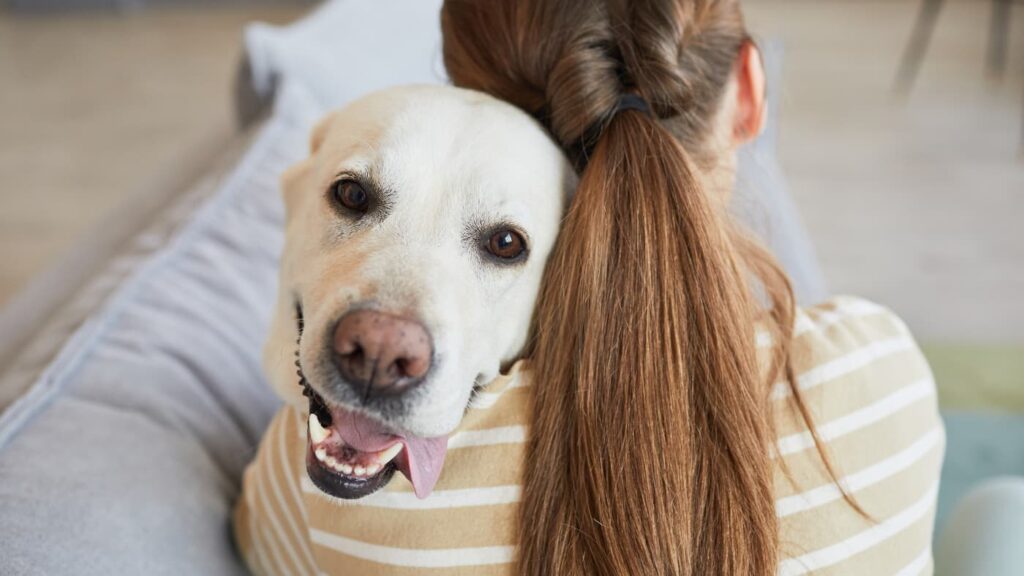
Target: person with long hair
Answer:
pixel 651 447
pixel 683 415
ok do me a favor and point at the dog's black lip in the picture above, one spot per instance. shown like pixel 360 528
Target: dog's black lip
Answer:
pixel 342 486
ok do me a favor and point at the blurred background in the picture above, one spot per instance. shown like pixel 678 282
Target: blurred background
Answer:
pixel 900 132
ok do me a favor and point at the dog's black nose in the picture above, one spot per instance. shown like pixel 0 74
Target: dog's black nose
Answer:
pixel 381 354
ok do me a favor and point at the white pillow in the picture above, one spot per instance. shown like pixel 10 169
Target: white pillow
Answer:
pixel 347 48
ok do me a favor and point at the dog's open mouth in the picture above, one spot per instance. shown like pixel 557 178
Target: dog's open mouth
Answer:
pixel 350 455
pixel 336 467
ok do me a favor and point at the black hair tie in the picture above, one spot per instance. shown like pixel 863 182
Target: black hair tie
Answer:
pixel 631 102
pixel 584 147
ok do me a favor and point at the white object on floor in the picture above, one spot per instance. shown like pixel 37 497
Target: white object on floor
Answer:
pixel 985 533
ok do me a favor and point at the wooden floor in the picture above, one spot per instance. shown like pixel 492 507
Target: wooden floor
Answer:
pixel 97 108
pixel 916 203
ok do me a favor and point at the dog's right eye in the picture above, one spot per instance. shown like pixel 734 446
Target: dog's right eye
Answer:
pixel 351 195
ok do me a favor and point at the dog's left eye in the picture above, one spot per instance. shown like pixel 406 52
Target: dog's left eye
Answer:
pixel 506 244
pixel 351 195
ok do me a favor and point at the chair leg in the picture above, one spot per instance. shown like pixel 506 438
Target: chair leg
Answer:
pixel 999 29
pixel 913 55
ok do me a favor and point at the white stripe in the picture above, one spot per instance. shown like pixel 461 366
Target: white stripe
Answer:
pixel 858 419
pixel 293 485
pixel 873 474
pixel 433 558
pixel 275 553
pixel 438 499
pixel 262 566
pixel 917 565
pixel 484 399
pixel 843 365
pixel 844 310
pixel 274 521
pixel 488 437
pixel 289 511
pixel 256 540
pixel 863 540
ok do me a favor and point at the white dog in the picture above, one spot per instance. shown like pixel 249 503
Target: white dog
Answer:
pixel 416 236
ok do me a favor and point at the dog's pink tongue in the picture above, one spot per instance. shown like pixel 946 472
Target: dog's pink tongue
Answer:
pixel 421 460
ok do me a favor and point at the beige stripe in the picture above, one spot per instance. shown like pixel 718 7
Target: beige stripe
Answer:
pixel 892 554
pixel 278 474
pixel 836 519
pixel 438 558
pixel 334 562
pixel 826 342
pixel 918 565
pixel 852 391
pixel 261 566
pixel 487 398
pixel 885 407
pixel 438 499
pixel 488 437
pixel 242 525
pixel 256 521
pixel 854 451
pixel 856 482
pixel 472 526
pixel 856 359
pixel 511 410
pixel 273 545
pixel 273 511
pixel 476 467
pixel 814 325
pixel 286 456
pixel 918 511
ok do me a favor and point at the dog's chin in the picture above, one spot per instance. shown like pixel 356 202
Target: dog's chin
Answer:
pixel 336 483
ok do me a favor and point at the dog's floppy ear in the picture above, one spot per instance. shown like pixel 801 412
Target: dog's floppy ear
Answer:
pixel 316 138
pixel 293 177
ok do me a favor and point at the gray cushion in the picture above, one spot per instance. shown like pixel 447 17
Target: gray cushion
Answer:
pixel 125 456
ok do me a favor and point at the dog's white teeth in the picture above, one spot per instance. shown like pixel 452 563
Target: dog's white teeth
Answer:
pixel 373 469
pixel 345 469
pixel 389 454
pixel 317 433
pixel 359 471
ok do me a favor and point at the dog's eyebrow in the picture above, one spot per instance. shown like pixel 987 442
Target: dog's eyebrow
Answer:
pixel 378 183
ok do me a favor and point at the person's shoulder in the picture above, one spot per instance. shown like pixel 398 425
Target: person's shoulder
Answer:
pixel 856 340
pixel 844 323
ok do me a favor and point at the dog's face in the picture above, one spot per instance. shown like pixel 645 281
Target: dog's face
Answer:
pixel 416 236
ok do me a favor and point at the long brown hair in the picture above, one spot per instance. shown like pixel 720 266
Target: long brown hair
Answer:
pixel 651 426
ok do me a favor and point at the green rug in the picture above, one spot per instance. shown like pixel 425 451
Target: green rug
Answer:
pixel 975 377
pixel 981 393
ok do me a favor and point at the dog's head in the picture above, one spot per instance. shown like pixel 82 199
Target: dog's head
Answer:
pixel 416 236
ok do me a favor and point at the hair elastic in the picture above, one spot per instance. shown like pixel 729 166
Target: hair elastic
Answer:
pixel 585 146
pixel 630 102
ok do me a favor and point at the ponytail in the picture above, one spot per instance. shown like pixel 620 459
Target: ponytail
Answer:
pixel 650 432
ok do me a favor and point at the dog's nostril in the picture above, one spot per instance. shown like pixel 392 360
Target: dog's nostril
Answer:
pixel 381 354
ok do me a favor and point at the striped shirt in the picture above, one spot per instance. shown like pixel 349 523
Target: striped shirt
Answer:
pixel 860 373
